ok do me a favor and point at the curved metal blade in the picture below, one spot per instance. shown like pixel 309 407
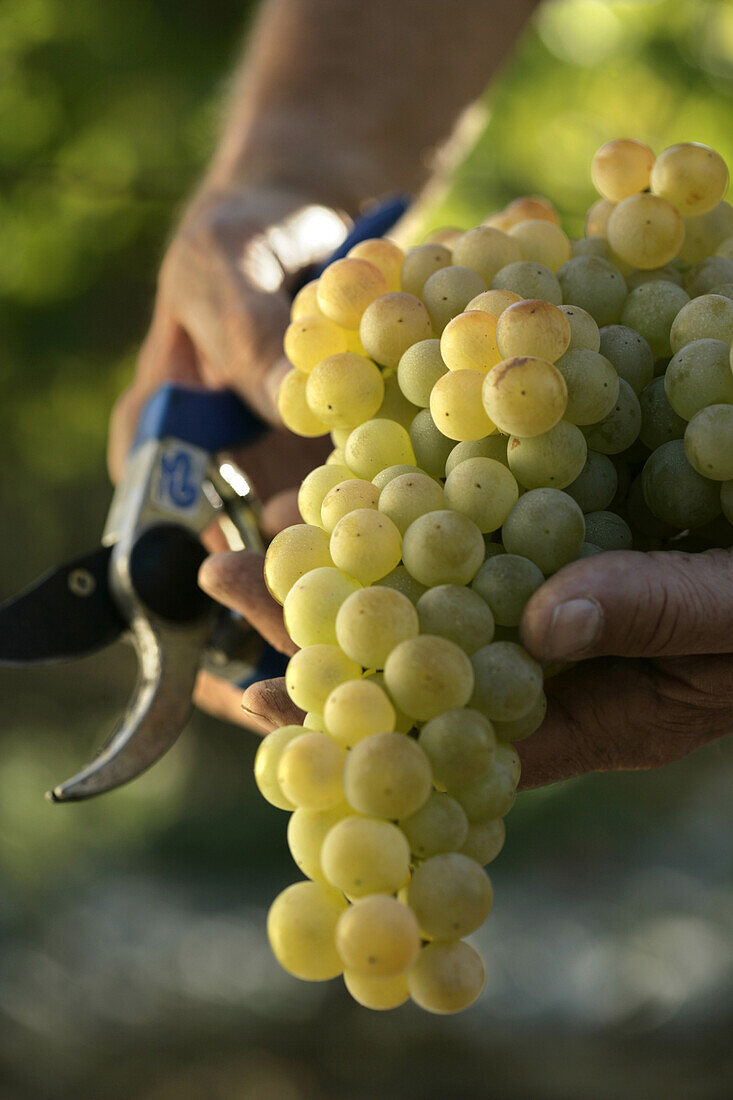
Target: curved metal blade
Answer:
pixel 169 660
pixel 68 612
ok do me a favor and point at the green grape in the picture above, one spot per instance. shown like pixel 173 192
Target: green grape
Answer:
pixel 588 550
pixel 346 288
pixel 458 614
pixel 391 324
pixel 419 369
pixel 651 309
pixel 267 762
pixel 507 680
pixel 439 826
pixel 708 317
pixel 293 552
pixel 307 829
pixel 469 342
pixel 376 444
pixel 310 607
pixel 486 250
pixel 645 231
pixel 314 487
pixel 703 277
pixel 692 176
pixel 366 545
pixel 592 384
pixel 584 332
pixel 442 547
pixel 542 242
pixel 630 354
pixel 345 497
pixel 455 406
pixel 608 531
pixel 295 412
pixel 356 709
pixel 529 279
pixel 659 421
pixel 427 675
pixel 372 621
pixel 485 840
pixel 675 492
pixel 533 327
pixel 420 263
pixel 301 928
pixel 592 246
pixel 594 285
pixel 309 772
pixel 595 486
pixel 524 396
pixel 386 475
pixel 482 489
pixel 703 234
pixel 363 855
pixel 378 936
pixel 385 255
pixel 395 405
pixel 344 390
pixel 310 339
pixel 725 290
pixel 617 431
pixel 554 458
pixel 709 442
pixel 408 496
pixel 489 796
pixel 546 526
pixel 448 291
pixel 522 727
pixel 379 994
pixel 726 499
pixel 431 447
pixel 507 757
pixel 450 895
pixel 668 274
pixel 494 301
pixel 387 775
pixel 505 582
pixel 641 518
pixel 314 672
pixel 459 744
pixel 493 446
pixel 621 168
pixel 447 977
pixel 403 582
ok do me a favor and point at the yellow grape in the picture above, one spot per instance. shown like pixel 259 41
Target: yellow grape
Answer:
pixel 596 220
pixel 310 607
pixel 447 977
pixel 378 936
pixel 314 487
pixel 344 390
pixel 267 762
pixel 305 302
pixel 346 288
pixel 356 709
pixel 621 168
pixel 533 327
pixel 346 497
pixel 314 672
pixel 379 994
pixel 541 241
pixel 486 251
pixel 293 552
pixel 307 830
pixel 370 626
pixel 691 176
pixel 391 324
pixel 310 339
pixel 482 489
pixel 527 208
pixel 524 395
pixel 302 929
pixel 646 231
pixel 494 301
pixel 365 855
pixel 366 545
pixel 293 406
pixel 450 895
pixel 310 769
pixel 469 342
pixel 385 255
pixel 387 775
pixel 443 547
pixel 427 675
pixel 375 445
pixel 422 262
pixel 456 406
pixel 408 496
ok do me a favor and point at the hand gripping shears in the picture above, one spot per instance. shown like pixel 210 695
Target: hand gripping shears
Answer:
pixel 141 583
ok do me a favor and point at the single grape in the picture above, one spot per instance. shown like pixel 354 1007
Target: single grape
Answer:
pixel 307 830
pixel 621 168
pixel 469 342
pixel 646 231
pixel 430 445
pixel 484 841
pixel 595 486
pixel 420 263
pixel 630 355
pixel 346 497
pixel 385 255
pixel 608 531
pixel 301 928
pixel 546 526
pixel 311 339
pixel 641 517
pixel 409 496
pixel 529 279
pixel 584 333
pixel 456 407
pixel 596 220
pixel 314 487
pixel 458 614
pixel 447 977
pixel 482 489
pixel 378 936
pixel 692 176
pixel 379 994
pixel 592 384
pixel 314 672
pixel 366 545
pixel 542 242
pixel 364 855
pixel 419 369
pixel 675 491
pixel 528 207
pixel 553 459
pixel 494 301
pixel 294 410
pixel 443 547
pixel 383 478
pixel 450 895
pixel 356 709
pixel 387 775
pixel 651 309
pixel 459 744
pixel 709 442
pixel 492 446
pixel 659 421
pixel 293 552
pixel 708 317
pixel 369 625
pixel 391 324
pixel 440 825
pixel 309 772
pixel 346 288
pixel 617 431
pixel 310 607
pixel 448 291
pixel 344 390
pixel 489 796
pixel 533 327
pixel 267 762
pixel 305 302
pixel 520 728
pixel 507 680
pixel 506 582
pixel 427 675
pixel 376 444
pixel 524 396
pixel 485 250
pixel 594 285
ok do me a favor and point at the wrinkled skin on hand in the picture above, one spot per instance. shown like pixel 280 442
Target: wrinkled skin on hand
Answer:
pixel 651 684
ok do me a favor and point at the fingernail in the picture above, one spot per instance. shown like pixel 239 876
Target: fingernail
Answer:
pixel 574 626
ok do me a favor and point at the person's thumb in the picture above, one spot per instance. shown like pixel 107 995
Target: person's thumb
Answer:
pixel 631 604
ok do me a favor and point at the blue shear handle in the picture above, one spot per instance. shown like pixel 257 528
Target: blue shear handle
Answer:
pixel 217 420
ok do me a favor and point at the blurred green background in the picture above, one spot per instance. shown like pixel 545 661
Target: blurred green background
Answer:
pixel 133 959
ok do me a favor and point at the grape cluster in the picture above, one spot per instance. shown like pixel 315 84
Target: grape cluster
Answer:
pixel 498 409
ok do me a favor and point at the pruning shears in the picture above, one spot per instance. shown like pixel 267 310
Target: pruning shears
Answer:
pixel 140 584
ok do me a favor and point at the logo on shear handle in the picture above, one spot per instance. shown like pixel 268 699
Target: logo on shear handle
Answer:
pixel 179 480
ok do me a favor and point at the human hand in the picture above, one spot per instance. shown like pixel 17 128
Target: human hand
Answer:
pixel 216 325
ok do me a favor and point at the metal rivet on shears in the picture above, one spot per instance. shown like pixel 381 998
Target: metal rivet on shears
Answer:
pixel 81 582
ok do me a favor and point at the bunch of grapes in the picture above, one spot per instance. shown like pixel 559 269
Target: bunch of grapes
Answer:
pixel 498 409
